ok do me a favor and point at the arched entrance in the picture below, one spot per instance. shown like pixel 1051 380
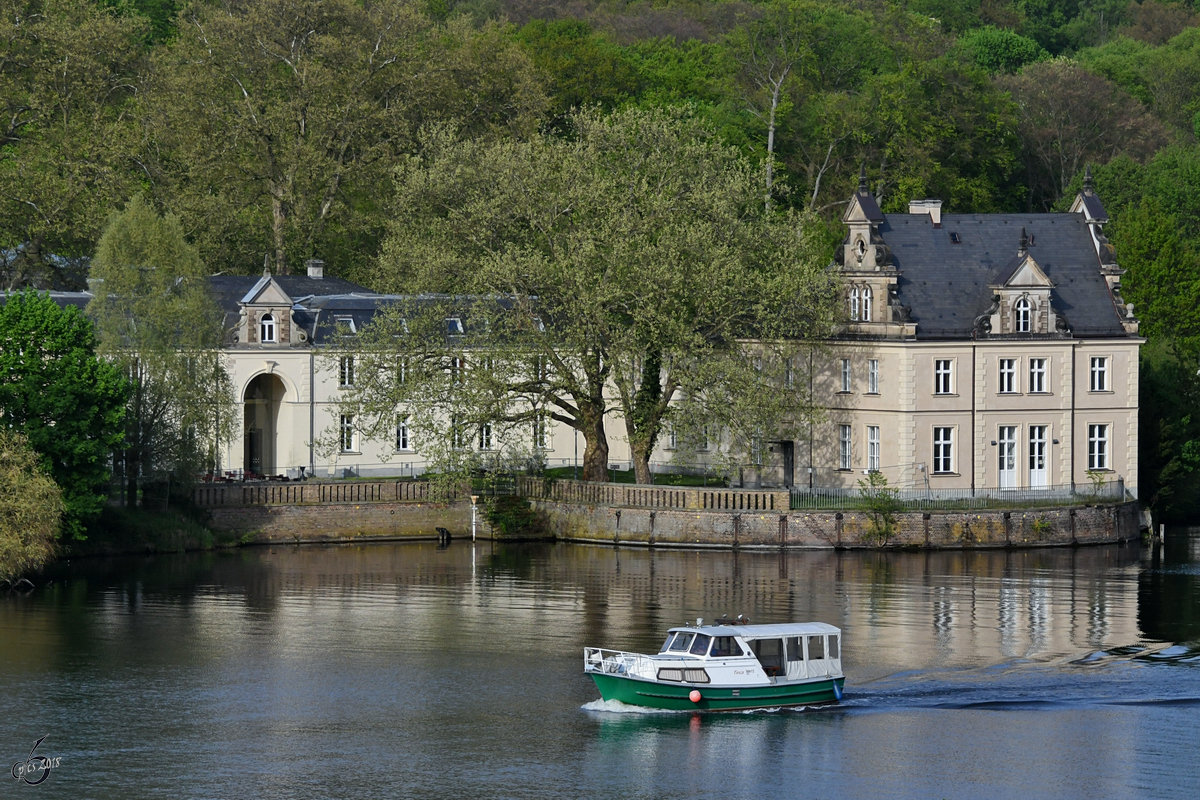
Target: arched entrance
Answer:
pixel 264 396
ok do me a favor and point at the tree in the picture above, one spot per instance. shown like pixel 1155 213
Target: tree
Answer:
pixel 998 50
pixel 157 321
pixel 31 509
pixel 68 70
pixel 621 267
pixel 276 121
pixel 1071 117
pixel 67 402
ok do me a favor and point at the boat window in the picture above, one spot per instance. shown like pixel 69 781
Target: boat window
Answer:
pixel 816 647
pixel 725 646
pixel 695 676
pixel 667 643
pixel 795 649
pixel 770 654
pixel 681 642
pixel 670 674
pixel 700 646
pixel 833 647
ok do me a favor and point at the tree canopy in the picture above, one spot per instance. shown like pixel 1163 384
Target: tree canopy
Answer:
pixel 157 321
pixel 31 508
pixel 632 255
pixel 67 402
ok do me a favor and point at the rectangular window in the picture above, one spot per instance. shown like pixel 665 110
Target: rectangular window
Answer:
pixel 943 450
pixel 458 437
pixel 845 374
pixel 402 433
pixel 873 448
pixel 845 454
pixel 1008 375
pixel 1097 446
pixel 346 371
pixel 873 376
pixel 402 371
pixel 1099 382
pixel 485 437
pixel 1037 375
pixel 541 440
pixel 457 365
pixel 349 437
pixel 943 376
pixel 789 374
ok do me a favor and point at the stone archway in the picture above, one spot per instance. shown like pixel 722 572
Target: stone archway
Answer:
pixel 262 401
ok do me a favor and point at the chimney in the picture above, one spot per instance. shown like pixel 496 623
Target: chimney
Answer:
pixel 316 268
pixel 95 285
pixel 931 207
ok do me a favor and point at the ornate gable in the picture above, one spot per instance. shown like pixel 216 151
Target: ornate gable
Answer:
pixel 1022 298
pixel 266 315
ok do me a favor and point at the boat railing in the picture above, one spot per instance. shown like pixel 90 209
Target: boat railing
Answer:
pixel 615 662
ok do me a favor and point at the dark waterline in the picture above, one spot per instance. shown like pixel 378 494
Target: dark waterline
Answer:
pixel 405 670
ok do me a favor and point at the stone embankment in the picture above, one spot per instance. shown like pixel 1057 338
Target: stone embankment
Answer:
pixel 646 516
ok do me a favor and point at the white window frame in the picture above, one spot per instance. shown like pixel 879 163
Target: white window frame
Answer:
pixel 943 376
pixel 1098 449
pixel 845 447
pixel 866 304
pixel 1008 376
pixel 267 328
pixel 854 304
pixel 847 376
pixel 348 434
pixel 1023 315
pixel 541 431
pixel 346 372
pixel 873 448
pixel 1038 369
pixel 1098 381
pixel 485 436
pixel 873 376
pixel 403 443
pixel 943 450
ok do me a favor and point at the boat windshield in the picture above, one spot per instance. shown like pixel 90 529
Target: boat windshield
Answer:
pixel 681 643
pixel 700 645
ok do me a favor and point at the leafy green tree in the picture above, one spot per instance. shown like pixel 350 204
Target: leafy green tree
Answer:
pixel 998 50
pixel 68 403
pixel 68 75
pixel 158 322
pixel 633 267
pixel 31 509
pixel 276 121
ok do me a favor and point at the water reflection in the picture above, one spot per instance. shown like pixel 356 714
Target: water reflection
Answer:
pixel 456 671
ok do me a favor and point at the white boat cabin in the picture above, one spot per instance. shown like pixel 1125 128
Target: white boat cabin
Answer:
pixel 787 652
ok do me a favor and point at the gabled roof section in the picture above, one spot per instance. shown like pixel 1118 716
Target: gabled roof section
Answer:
pixel 1087 203
pixel 863 206
pixel 1026 274
pixel 266 292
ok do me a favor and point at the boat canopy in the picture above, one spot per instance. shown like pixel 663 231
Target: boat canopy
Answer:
pixel 749 633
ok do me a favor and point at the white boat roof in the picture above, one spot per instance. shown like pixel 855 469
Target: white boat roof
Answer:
pixel 765 631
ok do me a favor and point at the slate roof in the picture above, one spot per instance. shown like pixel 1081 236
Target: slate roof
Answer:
pixel 946 285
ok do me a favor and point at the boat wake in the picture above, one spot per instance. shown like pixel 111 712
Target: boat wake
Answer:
pixel 617 707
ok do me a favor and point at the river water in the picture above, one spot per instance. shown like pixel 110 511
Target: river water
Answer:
pixel 401 670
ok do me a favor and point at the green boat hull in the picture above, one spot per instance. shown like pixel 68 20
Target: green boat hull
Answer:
pixel 676 697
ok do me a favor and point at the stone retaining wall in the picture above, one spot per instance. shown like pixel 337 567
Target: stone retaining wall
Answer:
pixel 1097 524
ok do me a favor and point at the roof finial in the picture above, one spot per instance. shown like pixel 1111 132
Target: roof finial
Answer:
pixel 1087 179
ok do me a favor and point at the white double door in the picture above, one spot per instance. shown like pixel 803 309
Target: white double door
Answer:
pixel 1006 445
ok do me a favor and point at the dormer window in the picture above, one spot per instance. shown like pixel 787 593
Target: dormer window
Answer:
pixel 1023 315
pixel 266 329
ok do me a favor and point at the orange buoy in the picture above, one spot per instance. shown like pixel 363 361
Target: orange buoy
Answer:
pixel 694 696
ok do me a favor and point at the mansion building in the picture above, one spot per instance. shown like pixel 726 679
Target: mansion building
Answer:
pixel 977 352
